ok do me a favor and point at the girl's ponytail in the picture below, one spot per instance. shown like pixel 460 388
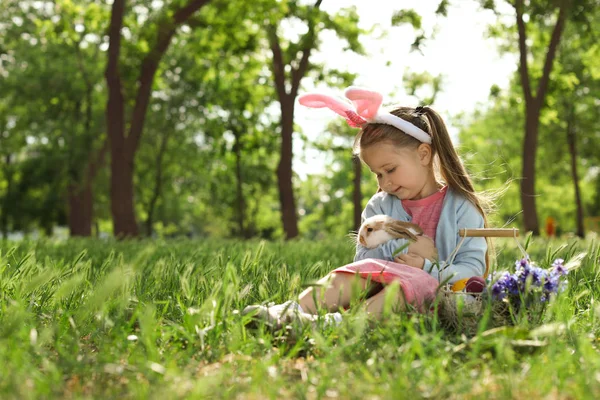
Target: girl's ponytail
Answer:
pixel 451 168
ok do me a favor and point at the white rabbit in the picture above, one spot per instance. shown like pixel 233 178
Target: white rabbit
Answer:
pixel 379 229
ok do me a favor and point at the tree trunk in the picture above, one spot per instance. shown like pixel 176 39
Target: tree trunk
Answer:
pixel 123 148
pixel 121 185
pixel 9 182
pixel 528 195
pixel 571 139
pixel 81 197
pixel 284 170
pixel 286 100
pixel 121 168
pixel 80 209
pixel 252 212
pixel 158 182
pixel 357 194
pixel 239 183
pixel 80 194
pixel 533 106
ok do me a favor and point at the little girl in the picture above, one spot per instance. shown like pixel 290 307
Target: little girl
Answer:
pixel 422 180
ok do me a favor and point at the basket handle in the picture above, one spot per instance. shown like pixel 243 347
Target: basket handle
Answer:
pixel 489 232
pixel 484 232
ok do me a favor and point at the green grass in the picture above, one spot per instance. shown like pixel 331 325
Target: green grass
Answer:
pixel 104 319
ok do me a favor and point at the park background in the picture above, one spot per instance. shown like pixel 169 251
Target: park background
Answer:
pixel 157 176
pixel 167 119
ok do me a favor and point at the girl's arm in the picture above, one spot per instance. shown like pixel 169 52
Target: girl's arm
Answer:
pixel 470 258
pixel 386 250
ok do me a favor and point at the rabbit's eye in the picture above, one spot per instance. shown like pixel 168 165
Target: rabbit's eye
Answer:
pixel 369 229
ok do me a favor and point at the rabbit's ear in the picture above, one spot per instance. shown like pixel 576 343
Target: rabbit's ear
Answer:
pixel 403 229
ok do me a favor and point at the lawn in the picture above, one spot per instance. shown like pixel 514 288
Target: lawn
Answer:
pixel 160 319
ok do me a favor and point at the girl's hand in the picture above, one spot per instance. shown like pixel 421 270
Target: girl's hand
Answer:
pixel 423 247
pixel 410 259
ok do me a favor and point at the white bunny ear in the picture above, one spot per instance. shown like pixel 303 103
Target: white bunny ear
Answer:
pixel 339 106
pixel 367 102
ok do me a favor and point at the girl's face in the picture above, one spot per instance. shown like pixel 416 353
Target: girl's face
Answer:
pixel 403 172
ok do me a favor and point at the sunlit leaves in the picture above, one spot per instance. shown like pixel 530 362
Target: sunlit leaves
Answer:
pixel 407 16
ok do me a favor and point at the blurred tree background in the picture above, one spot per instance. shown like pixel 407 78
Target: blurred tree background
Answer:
pixel 177 117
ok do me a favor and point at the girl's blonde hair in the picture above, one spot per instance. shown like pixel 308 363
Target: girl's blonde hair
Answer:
pixel 446 162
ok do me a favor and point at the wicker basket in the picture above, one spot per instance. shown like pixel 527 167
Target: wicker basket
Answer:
pixel 461 312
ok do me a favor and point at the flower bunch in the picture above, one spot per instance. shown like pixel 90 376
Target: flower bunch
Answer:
pixel 529 279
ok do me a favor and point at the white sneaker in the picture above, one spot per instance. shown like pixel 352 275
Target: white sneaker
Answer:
pixel 278 316
pixel 331 320
pixel 275 315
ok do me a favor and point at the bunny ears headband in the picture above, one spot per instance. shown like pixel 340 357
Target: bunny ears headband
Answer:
pixel 362 108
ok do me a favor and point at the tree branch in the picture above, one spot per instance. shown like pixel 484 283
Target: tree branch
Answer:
pixel 185 12
pixel 114 43
pixel 278 66
pixel 552 48
pixel 113 78
pixel 523 67
pixel 97 162
pixel 166 31
pixel 308 39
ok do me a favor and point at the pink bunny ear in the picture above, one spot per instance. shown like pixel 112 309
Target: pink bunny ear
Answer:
pixel 367 102
pixel 339 106
pixel 318 100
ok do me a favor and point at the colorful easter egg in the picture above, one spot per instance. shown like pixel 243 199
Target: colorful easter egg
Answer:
pixel 459 285
pixel 475 284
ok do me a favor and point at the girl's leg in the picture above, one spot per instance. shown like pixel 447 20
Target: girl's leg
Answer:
pixel 332 292
pixel 375 305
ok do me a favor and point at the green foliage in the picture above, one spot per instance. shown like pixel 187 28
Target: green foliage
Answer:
pixel 325 199
pixel 491 138
pixel 52 106
pixel 491 147
pixel 415 82
pixel 407 16
pixel 412 18
pixel 206 163
pixel 210 119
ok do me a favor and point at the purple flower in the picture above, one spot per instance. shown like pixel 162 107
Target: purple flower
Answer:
pixel 530 282
pixel 558 261
pixel 551 284
pixel 522 262
pixel 498 290
pixel 538 275
pixel 523 272
pixel 559 268
pixel 535 275
pixel 511 284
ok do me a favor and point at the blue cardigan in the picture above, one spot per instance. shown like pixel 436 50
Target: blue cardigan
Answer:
pixel 457 213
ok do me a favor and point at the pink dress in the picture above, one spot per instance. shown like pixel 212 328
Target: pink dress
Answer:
pixel 417 285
